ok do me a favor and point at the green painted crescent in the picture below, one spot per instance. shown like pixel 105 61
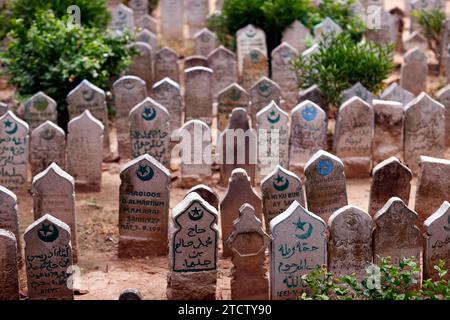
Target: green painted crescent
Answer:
pixel 13 130
pixel 282 187
pixel 273 121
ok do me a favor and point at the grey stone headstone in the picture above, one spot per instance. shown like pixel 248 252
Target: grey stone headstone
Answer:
pixel 9 217
pixel 147 22
pixel 47 145
pixel 196 12
pixel 249 241
pixel 143 208
pixel 172 29
pixel 299 244
pixel 390 178
pixel 87 96
pixel 9 271
pixel 205 41
pixel 296 35
pixel 385 27
pixel 388 132
pixel 325 184
pixel 357 90
pixel 142 66
pixel 198 94
pixel 416 39
pixel 396 93
pixel 139 7
pixel 239 192
pixel 84 162
pixel 308 133
pixel 247 39
pixel 414 71
pixel 224 66
pixel 443 96
pixel 272 128
pixel 47 243
pixel 424 130
pixel 148 37
pixel 436 244
pixel 353 137
pixel 233 96
pixel 193 250
pixel 262 93
pixel 14 158
pixel 40 108
pixel 128 92
pixel 166 65
pixel 122 18
pixel 254 67
pixel 324 28
pixel 53 192
pixel 167 93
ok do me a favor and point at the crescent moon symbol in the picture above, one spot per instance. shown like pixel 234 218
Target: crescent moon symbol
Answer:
pixel 13 130
pixel 307 234
pixel 48 232
pixel 283 187
pixel 145 173
pixel 149 114
pixel 273 120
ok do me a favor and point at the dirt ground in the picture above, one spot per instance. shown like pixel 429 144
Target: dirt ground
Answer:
pixel 103 275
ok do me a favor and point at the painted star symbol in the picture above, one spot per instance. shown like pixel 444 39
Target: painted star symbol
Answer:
pixel 196 212
pixel 299 224
pixel 147 110
pixel 279 179
pixel 7 123
pixel 46 229
pixel 142 170
pixel 264 87
pixel 273 113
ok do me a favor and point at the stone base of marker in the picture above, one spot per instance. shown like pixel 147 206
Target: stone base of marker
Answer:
pixel 130 248
pixel 357 167
pixel 192 285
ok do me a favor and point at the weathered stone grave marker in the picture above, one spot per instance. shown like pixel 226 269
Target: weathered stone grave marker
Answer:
pixel 414 71
pixel 225 71
pixel 166 65
pixel 167 93
pixel 232 97
pixel 198 94
pixel 9 271
pixel 40 108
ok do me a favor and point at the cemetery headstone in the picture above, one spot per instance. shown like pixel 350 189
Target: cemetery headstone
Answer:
pixel 195 61
pixel 207 194
pixel 172 29
pixel 247 39
pixel 414 71
pixel 9 217
pixel 147 22
pixel 122 18
pixel 357 90
pixel 148 37
pixel 443 96
pixel 224 66
pixel 254 67
pixel 198 94
pixel 9 271
pixel 296 35
pixel 396 93
pixel 196 13
pixel 205 41
pixel 314 94
pixel 416 40
pixel 141 66
pixel 3 108
pixel 385 29
pixel 167 93
pixel 325 28
pixel 139 7
pixel 262 93
pixel 40 108
pixel 130 294
pixel 233 96
pixel 166 65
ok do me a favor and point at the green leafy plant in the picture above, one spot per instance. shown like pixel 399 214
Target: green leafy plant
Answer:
pixel 430 23
pixel 385 282
pixel 52 57
pixel 341 62
pixel 274 16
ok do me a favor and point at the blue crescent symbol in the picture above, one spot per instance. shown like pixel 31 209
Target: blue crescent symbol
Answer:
pixel 149 114
pixel 309 113
pixel 145 173
pixel 325 167
pixel 276 184
pixel 300 225
pixel 8 124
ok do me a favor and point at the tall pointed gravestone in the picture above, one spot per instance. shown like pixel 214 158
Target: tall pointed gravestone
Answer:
pixel 205 41
pixel 296 35
pixel 325 184
pixel 147 22
pixel 248 241
pixel 350 243
pixel 198 94
pixel 272 128
pixel 233 96
pixel 254 66
pixel 142 65
pixel 9 217
pixel 262 93
pixel 279 190
pixel 172 29
pixel 47 145
pixel 14 155
pixel 196 12
pixel 225 70
pixel 248 38
pixel 40 108
pixel 424 130
pixel 84 162
pixel 54 192
pixel 48 259
pixel 443 97
pixel 193 250
pixel 299 245
pixel 150 131
pixel 239 192
pixel 414 71
pixel 167 93
pixel 9 271
pixel 436 243
pixel 143 208
pixel 353 137
pixel 128 92
pixel 166 65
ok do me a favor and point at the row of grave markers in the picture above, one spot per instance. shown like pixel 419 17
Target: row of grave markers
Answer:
pixel 144 223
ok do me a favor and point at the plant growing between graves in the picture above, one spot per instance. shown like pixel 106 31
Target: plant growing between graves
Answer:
pixel 341 62
pixel 52 57
pixel 430 23
pixel 274 16
pixel 385 282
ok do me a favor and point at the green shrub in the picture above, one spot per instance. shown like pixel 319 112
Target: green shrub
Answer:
pixel 341 62
pixel 430 23
pixel 51 57
pixel 274 16
pixel 385 282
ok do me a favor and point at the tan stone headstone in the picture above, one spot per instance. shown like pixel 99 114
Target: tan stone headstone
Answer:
pixel 314 94
pixel 84 162
pixel 53 192
pixel 263 93
pixel 386 32
pixel 143 208
pixel 433 186
pixel 3 108
pixel 148 37
pixel 233 96
pixel 14 152
pixel 437 242
pixel 350 243
pixel 248 242
pixel 254 67
pixel 279 190
pixel 48 259
pixel 248 38
pixel 225 70
pixel 40 108
pixel 167 93
pixel 325 184
pixel 150 131
pixel 166 65
pixel 396 234
pixel 390 178
pixel 142 65
pixel 122 18
pixel 299 245
pixel 388 131
pixel 9 271
pixel 9 217
pixel 424 130
pixel 416 40
pixel 239 192
pixel 414 71
pixel 193 250
pixel 198 94
pixel 353 137
pixel 128 92
pixel 172 29
pixel 308 133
